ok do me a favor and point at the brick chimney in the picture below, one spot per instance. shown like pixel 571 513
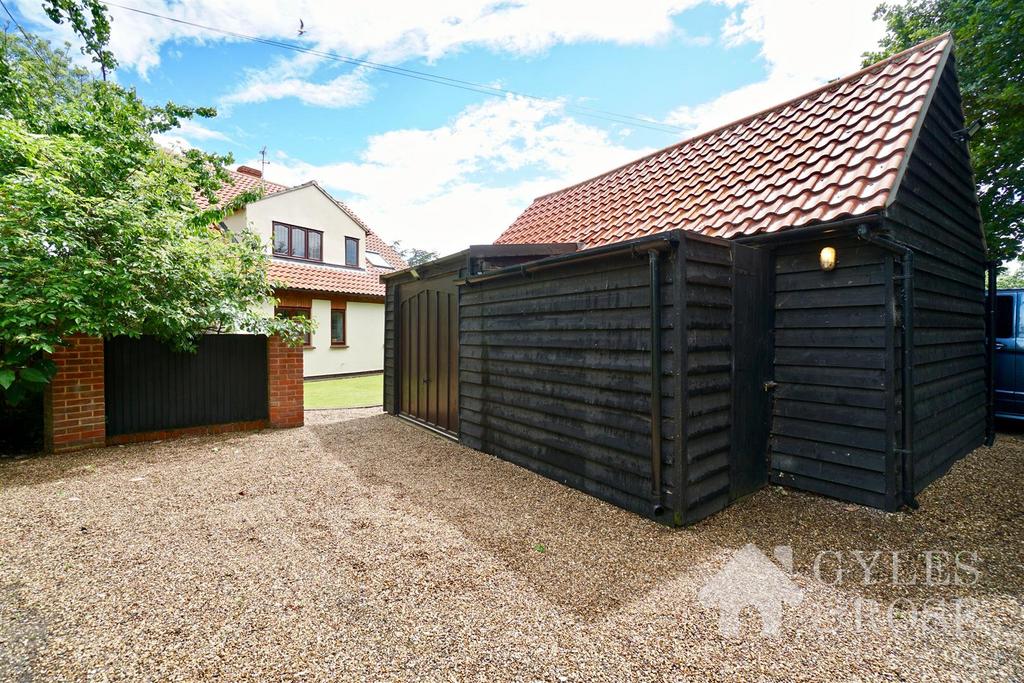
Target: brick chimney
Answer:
pixel 249 170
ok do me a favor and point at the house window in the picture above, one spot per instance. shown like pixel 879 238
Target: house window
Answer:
pixel 298 242
pixel 295 312
pixel 351 251
pixel 337 327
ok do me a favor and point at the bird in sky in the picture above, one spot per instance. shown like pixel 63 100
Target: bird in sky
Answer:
pixel 302 28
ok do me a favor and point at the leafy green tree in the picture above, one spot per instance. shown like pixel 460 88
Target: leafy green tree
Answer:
pixel 1014 280
pixel 100 230
pixel 989 44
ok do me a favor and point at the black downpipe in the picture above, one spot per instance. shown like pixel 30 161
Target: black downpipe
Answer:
pixel 990 350
pixel 907 376
pixel 655 262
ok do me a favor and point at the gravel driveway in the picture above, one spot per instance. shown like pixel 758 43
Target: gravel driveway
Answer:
pixel 361 548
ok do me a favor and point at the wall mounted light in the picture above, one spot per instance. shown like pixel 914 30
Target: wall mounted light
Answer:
pixel 827 258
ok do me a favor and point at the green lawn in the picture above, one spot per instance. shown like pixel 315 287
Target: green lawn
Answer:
pixel 347 392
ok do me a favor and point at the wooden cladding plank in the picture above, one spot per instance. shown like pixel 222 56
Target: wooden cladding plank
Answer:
pixel 858 416
pixel 628 381
pixel 831 298
pixel 595 303
pixel 866 316
pixel 624 319
pixel 840 476
pixel 813 357
pixel 613 397
pixel 828 488
pixel 832 395
pixel 837 377
pixel 832 337
pixel 528 289
pixel 843 455
pixel 630 340
pixel 618 360
pixel 841 278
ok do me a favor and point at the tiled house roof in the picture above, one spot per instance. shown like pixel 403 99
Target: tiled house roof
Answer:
pixel 240 182
pixel 315 278
pixel 836 152
pixel 311 277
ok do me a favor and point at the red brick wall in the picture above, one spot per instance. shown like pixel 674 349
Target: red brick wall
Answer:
pixel 74 411
pixel 284 382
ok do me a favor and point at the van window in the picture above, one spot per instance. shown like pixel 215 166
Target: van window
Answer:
pixel 1004 316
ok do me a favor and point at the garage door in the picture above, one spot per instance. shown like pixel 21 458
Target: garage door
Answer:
pixel 429 353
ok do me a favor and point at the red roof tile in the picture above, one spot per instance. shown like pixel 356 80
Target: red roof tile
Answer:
pixel 333 279
pixel 239 183
pixel 835 152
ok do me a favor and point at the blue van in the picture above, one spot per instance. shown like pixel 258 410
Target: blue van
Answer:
pixel 1009 354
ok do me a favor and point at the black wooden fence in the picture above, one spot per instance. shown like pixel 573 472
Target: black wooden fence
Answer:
pixel 150 387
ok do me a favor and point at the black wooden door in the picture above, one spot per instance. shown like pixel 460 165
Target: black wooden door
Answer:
pixel 429 353
pixel 752 372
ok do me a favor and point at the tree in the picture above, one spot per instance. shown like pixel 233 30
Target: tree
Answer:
pixel 100 230
pixel 413 256
pixel 989 44
pixel 1009 280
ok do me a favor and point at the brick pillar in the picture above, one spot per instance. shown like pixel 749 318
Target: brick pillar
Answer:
pixel 74 410
pixel 284 384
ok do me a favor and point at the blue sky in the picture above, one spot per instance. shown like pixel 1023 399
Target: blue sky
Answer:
pixel 438 167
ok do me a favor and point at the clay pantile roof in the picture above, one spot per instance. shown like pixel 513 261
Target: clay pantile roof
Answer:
pixel 316 278
pixel 238 183
pixel 836 152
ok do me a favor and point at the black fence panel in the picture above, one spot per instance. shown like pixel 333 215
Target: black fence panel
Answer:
pixel 150 387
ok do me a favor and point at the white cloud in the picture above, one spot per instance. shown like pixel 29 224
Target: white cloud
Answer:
pixel 384 31
pixel 465 182
pixel 194 130
pixel 184 136
pixel 346 90
pixel 804 44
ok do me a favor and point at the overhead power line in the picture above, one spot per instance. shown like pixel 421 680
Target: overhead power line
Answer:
pixel 437 79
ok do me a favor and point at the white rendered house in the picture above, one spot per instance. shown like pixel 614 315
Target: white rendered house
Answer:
pixel 326 264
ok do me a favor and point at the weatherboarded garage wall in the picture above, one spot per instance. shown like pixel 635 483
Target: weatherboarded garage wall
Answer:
pixel 556 376
pixel 556 372
pixel 936 213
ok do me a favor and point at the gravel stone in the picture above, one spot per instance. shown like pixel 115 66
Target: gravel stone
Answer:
pixel 362 548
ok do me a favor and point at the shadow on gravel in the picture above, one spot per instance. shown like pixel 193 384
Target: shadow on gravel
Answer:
pixel 591 557
pixel 22 636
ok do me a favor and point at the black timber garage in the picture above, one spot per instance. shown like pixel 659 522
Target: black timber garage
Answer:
pixel 799 297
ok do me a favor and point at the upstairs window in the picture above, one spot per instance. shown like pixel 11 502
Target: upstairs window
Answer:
pixel 297 242
pixel 351 251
